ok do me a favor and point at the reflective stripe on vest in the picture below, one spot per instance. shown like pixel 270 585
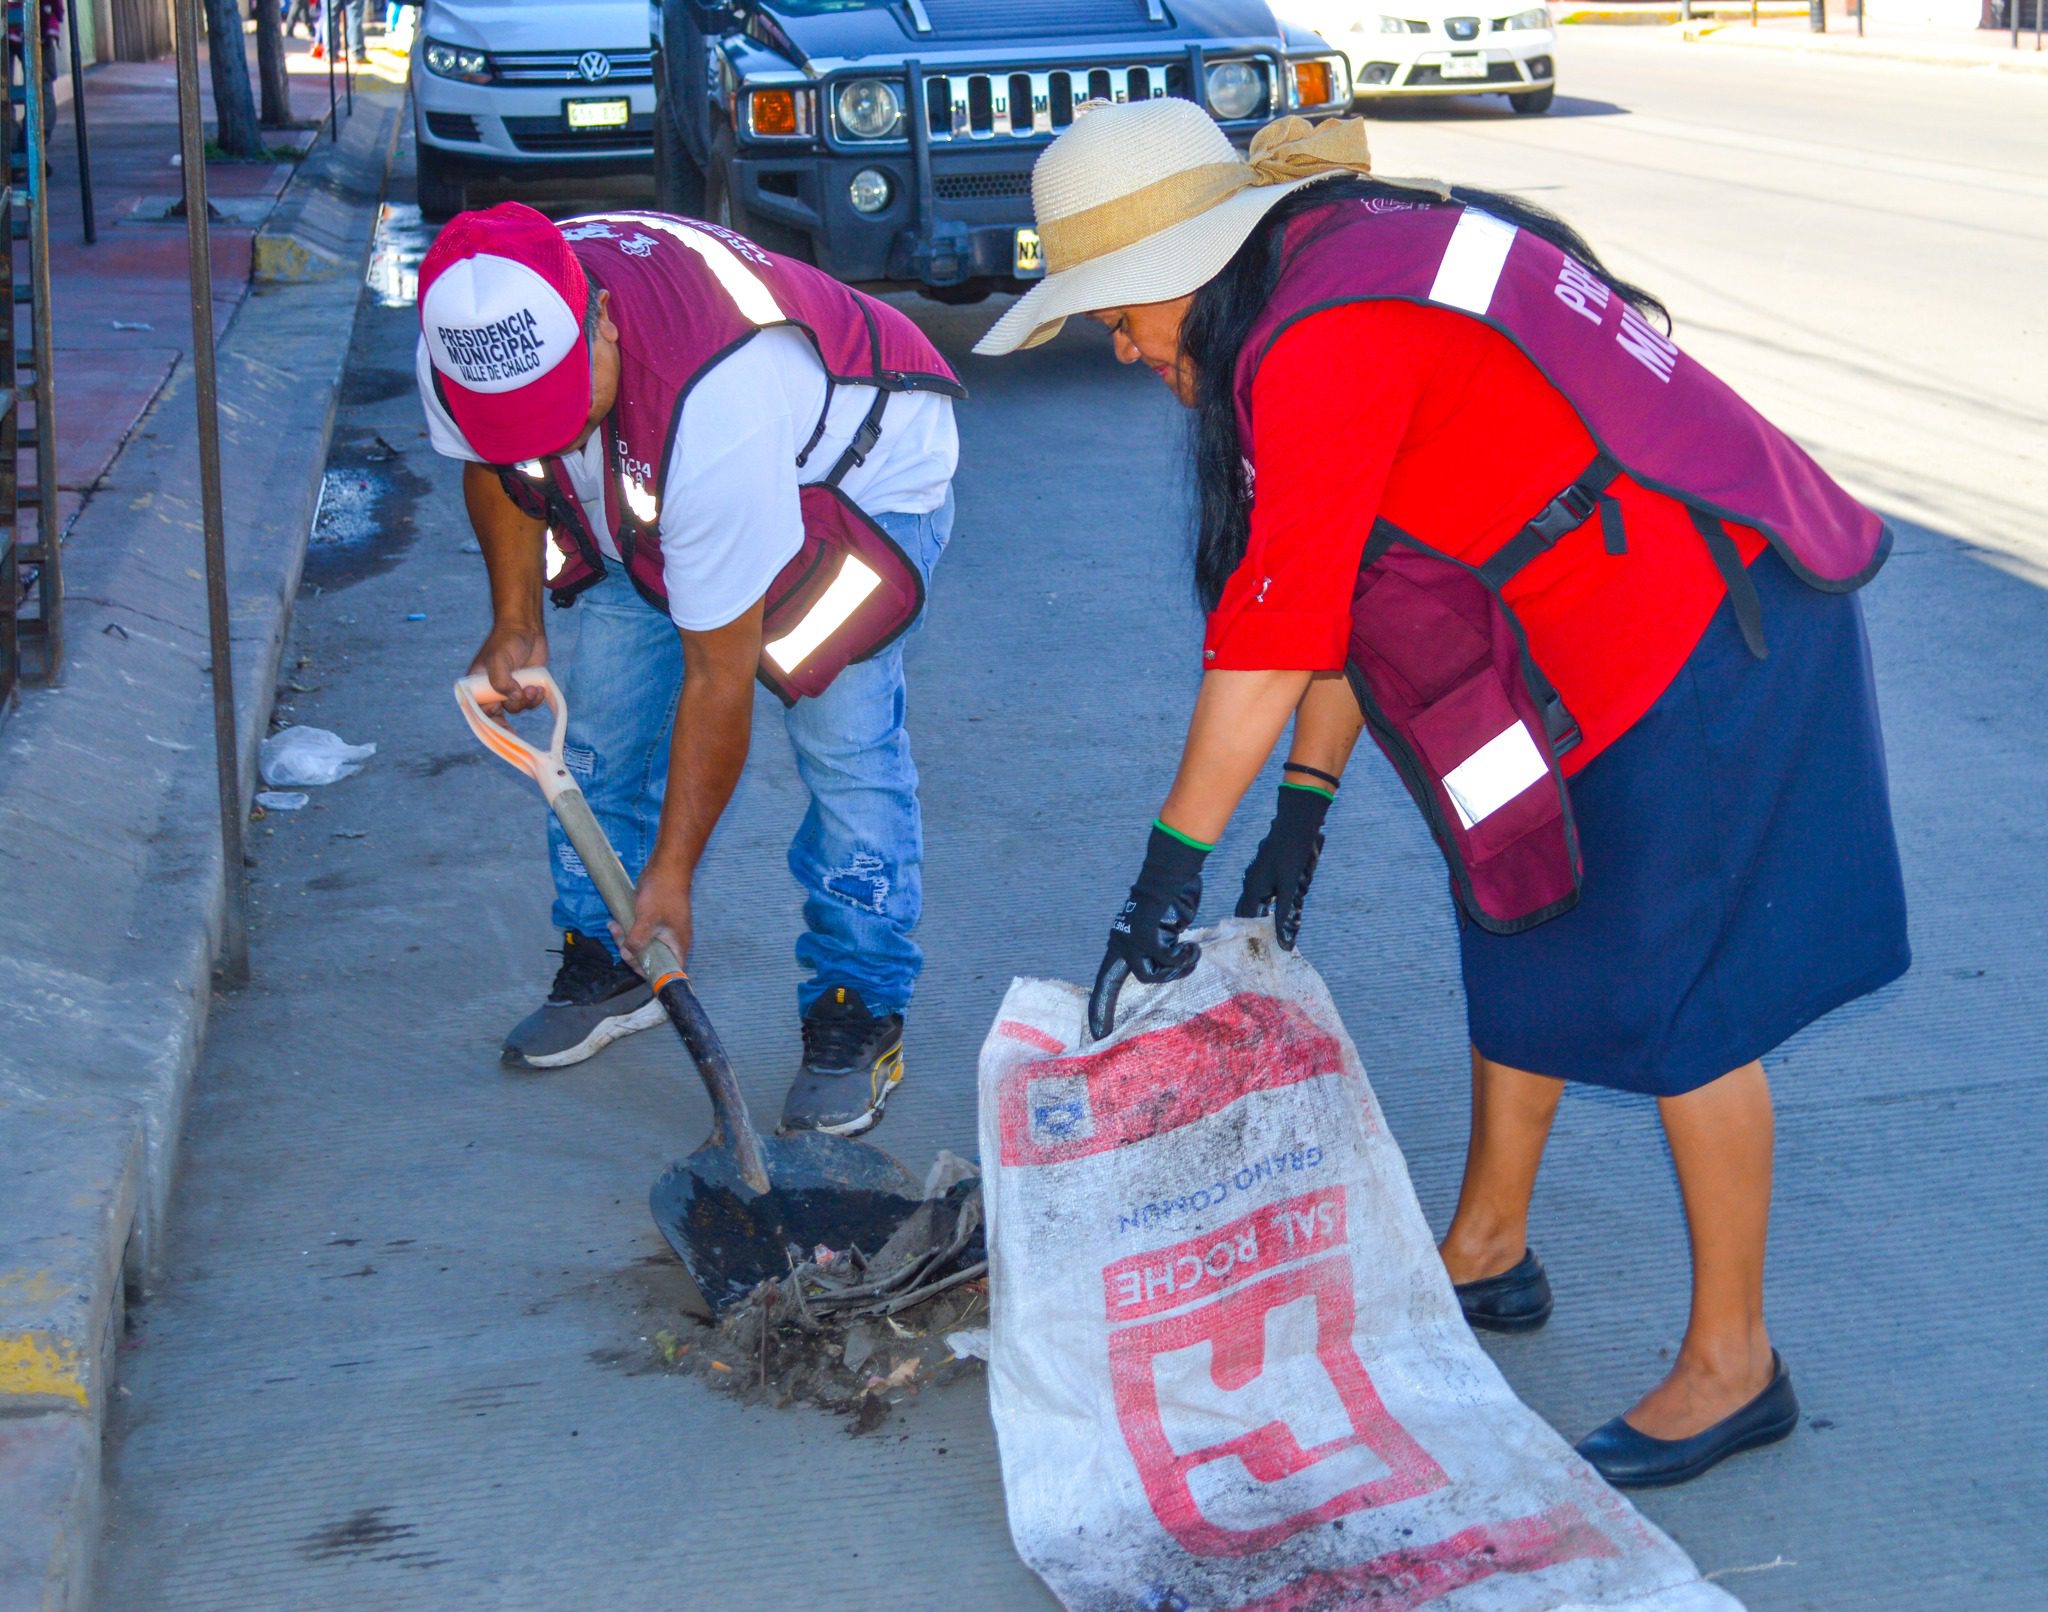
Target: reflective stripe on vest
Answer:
pixel 855 582
pixel 1473 259
pixel 750 294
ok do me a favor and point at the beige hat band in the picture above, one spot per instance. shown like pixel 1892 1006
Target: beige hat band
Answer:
pixel 1130 218
pixel 1282 153
pixel 1147 200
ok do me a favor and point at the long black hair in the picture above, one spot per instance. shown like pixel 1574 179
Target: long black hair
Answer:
pixel 1221 318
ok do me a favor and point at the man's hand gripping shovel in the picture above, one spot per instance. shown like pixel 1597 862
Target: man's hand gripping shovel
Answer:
pixel 735 1209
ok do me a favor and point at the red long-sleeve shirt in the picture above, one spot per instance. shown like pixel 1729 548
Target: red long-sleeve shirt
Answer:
pixel 1438 423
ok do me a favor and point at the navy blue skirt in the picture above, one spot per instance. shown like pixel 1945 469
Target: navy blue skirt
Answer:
pixel 1741 871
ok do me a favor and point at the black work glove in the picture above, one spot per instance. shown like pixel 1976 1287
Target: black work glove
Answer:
pixel 1278 878
pixel 1145 938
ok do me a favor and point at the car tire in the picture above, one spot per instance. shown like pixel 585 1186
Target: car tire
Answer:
pixel 723 207
pixel 1534 102
pixel 678 181
pixel 442 193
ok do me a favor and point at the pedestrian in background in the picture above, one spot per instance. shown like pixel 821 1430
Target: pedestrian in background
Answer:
pixel 1453 482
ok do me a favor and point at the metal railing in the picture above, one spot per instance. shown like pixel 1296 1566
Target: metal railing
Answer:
pixel 31 572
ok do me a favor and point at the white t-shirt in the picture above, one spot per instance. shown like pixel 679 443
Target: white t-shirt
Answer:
pixel 730 518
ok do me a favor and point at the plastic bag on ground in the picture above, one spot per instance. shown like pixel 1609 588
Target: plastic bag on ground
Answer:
pixel 1228 1370
pixel 297 756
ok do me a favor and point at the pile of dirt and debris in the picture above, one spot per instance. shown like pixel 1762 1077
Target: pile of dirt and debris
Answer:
pixel 854 1332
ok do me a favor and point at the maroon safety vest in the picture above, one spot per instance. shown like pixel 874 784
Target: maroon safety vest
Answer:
pixel 1441 666
pixel 685 294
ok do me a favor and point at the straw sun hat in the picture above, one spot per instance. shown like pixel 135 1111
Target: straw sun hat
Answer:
pixel 1146 201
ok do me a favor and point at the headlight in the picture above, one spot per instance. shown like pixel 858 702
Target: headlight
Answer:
pixel 1399 25
pixel 1536 18
pixel 1235 89
pixel 458 61
pixel 868 191
pixel 870 108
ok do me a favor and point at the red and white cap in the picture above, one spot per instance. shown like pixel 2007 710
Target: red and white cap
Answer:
pixel 502 302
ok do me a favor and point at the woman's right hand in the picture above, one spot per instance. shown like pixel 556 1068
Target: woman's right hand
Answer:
pixel 1278 878
pixel 512 647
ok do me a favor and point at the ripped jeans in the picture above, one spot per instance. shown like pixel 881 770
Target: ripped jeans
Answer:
pixel 859 852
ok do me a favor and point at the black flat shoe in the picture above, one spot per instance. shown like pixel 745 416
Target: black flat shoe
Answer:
pixel 1517 1300
pixel 1629 1459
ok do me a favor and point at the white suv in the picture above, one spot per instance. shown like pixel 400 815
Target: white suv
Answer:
pixel 502 88
pixel 1442 47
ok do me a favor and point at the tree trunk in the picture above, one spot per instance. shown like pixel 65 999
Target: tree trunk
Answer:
pixel 277 90
pixel 234 103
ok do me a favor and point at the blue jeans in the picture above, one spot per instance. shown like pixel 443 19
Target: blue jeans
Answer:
pixel 859 852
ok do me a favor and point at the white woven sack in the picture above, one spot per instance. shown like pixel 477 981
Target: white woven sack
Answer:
pixel 1228 1370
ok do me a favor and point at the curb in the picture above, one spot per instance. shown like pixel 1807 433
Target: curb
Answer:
pixel 107 807
pixel 1850 47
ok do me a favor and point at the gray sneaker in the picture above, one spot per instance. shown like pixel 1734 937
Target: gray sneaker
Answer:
pixel 853 1060
pixel 596 999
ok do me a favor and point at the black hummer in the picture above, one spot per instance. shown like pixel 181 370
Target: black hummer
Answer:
pixel 892 140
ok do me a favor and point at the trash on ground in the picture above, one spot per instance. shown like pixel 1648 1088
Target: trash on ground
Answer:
pixel 1227 1366
pixel 281 800
pixel 298 756
pixel 851 1331
pixel 132 324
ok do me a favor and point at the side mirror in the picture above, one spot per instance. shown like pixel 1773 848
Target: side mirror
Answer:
pixel 714 17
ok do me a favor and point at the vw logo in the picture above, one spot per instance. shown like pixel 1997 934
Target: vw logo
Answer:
pixel 593 66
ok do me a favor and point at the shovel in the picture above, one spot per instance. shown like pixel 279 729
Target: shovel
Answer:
pixel 743 1208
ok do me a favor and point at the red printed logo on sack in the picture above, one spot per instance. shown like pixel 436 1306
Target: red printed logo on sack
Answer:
pixel 1250 1415
pixel 1147 1284
pixel 1056 1109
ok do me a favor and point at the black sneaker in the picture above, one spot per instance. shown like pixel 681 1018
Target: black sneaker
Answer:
pixel 596 999
pixel 852 1062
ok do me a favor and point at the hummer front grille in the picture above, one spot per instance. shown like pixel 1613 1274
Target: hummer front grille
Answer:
pixel 1022 106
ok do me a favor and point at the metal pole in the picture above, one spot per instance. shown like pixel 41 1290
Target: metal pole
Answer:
pixel 2013 6
pixel 333 107
pixel 92 232
pixel 234 966
pixel 348 65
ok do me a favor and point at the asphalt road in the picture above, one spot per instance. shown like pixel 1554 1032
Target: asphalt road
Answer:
pixel 396 1358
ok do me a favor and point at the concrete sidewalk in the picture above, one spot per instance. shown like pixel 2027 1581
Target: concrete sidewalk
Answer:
pixel 1784 25
pixel 121 307
pixel 1885 41
pixel 107 795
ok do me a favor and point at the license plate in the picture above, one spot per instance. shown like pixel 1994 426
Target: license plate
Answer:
pixel 598 114
pixel 1464 67
pixel 1030 255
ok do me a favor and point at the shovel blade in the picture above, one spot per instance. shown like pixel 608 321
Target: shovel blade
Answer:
pixel 826 1189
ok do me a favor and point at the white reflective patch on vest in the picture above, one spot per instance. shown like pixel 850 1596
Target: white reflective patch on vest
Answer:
pixel 856 580
pixel 1477 252
pixel 1494 774
pixel 532 469
pixel 746 288
pixel 639 500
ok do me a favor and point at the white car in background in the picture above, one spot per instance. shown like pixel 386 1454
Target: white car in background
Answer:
pixel 506 88
pixel 1402 48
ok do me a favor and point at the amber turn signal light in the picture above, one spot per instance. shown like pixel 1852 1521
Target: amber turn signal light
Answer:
pixel 774 111
pixel 1312 85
